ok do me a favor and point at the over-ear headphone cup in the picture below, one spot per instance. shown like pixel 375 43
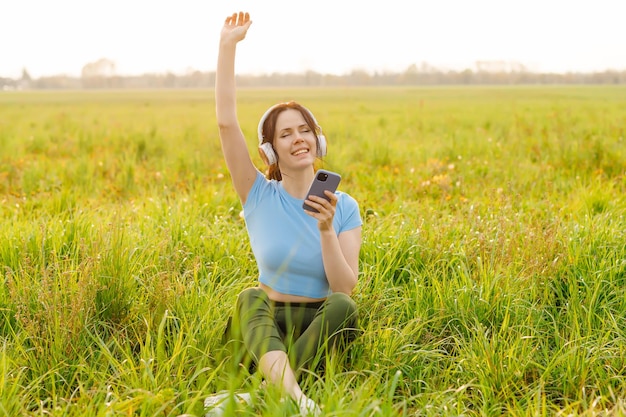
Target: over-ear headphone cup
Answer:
pixel 269 153
pixel 321 146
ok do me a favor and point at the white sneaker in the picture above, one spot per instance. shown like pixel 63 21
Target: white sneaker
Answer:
pixel 308 407
pixel 218 403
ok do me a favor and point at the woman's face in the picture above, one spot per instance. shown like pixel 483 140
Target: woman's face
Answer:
pixel 295 142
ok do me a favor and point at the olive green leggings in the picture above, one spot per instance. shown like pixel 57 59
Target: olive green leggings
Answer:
pixel 305 331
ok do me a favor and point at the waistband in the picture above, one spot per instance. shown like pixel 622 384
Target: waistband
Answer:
pixel 313 304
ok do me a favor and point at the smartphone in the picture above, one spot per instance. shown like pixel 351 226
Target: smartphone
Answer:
pixel 324 180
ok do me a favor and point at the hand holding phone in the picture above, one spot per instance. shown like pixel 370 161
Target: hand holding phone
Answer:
pixel 324 180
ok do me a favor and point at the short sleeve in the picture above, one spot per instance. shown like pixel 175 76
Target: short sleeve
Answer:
pixel 349 214
pixel 255 193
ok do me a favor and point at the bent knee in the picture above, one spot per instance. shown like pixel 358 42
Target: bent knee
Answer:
pixel 343 302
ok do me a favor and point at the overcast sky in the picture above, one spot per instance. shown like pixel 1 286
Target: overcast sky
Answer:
pixel 51 37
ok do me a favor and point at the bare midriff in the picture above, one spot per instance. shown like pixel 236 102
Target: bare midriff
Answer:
pixel 287 298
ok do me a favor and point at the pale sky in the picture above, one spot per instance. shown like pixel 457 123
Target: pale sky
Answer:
pixel 52 37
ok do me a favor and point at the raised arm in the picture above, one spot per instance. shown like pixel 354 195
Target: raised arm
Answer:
pixel 242 170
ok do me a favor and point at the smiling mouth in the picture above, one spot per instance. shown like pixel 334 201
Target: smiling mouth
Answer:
pixel 300 152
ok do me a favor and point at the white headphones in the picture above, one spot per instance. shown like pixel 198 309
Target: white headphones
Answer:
pixel 268 150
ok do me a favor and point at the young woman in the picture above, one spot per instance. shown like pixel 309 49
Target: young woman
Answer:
pixel 308 260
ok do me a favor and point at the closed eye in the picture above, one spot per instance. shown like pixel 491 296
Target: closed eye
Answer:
pixel 287 132
pixel 284 133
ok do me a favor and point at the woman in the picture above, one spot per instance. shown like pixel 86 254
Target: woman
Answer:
pixel 308 261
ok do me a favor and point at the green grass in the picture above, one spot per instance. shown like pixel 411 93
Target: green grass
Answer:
pixel 493 266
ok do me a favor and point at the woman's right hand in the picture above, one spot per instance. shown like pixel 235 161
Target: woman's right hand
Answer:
pixel 235 27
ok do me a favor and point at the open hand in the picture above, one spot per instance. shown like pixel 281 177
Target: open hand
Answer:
pixel 236 26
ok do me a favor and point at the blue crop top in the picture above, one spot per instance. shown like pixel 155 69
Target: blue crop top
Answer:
pixel 286 241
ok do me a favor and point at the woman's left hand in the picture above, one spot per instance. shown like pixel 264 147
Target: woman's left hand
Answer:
pixel 325 208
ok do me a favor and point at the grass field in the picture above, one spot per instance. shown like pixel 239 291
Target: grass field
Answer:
pixel 493 266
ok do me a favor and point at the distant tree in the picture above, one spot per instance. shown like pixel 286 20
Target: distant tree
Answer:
pixel 100 68
pixel 25 76
pixel 25 82
pixel 98 74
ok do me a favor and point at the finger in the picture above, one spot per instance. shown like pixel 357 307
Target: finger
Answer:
pixel 319 204
pixel 311 213
pixel 318 200
pixel 332 197
pixel 243 18
pixel 312 203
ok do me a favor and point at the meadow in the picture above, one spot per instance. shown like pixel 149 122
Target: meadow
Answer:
pixel 493 265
